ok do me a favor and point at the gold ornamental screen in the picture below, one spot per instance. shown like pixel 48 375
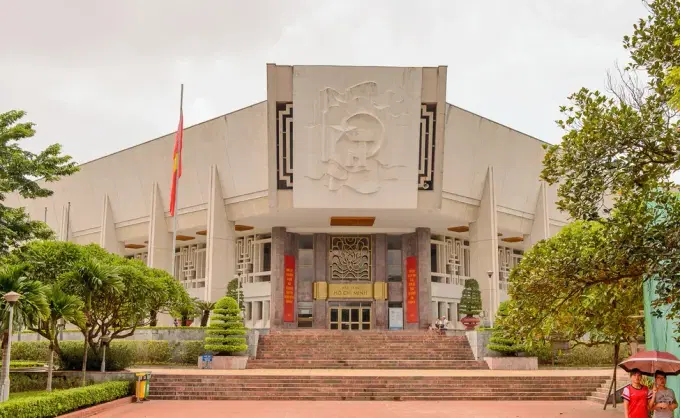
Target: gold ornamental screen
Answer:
pixel 350 258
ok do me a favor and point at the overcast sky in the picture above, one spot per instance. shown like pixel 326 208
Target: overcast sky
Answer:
pixel 98 77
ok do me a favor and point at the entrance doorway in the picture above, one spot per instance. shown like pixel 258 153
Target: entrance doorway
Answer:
pixel 350 317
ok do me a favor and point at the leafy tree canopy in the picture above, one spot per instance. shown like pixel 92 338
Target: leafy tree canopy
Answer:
pixel 614 167
pixel 19 171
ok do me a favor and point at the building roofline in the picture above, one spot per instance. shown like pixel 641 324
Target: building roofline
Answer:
pixel 500 124
pixel 170 133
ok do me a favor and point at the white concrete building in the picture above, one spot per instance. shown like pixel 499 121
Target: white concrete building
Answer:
pixel 352 198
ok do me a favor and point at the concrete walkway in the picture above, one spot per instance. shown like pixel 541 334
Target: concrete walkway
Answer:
pixel 377 372
pixel 298 409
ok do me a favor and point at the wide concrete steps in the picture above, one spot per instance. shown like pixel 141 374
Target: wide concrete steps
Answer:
pixel 272 387
pixel 365 364
pixel 363 349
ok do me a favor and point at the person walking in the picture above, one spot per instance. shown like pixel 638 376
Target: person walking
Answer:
pixel 663 401
pixel 636 397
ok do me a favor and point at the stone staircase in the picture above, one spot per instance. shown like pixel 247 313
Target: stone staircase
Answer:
pixel 361 387
pixel 600 393
pixel 324 349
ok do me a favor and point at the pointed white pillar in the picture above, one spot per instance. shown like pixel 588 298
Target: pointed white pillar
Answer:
pixel 221 241
pixel 540 229
pixel 484 247
pixel 160 238
pixel 65 227
pixel 108 239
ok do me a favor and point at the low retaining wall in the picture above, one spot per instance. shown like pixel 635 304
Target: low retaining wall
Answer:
pixel 512 363
pixel 478 341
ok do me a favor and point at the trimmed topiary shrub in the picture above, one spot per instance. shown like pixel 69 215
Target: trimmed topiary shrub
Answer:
pixel 42 405
pixel 501 341
pixel 226 332
pixel 471 300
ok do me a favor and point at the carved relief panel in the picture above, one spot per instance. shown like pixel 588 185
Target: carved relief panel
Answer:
pixel 357 133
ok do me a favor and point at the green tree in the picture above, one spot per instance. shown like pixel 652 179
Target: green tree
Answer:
pixel 64 307
pixel 186 310
pixel 29 309
pixel 168 294
pixel 205 308
pixel 615 161
pixel 502 339
pixel 575 286
pixel 92 280
pixel 226 333
pixel 235 292
pixel 471 300
pixel 19 173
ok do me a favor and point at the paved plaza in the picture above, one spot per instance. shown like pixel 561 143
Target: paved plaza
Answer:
pixel 296 409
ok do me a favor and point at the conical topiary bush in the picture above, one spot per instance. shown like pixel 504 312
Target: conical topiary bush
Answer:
pixel 226 333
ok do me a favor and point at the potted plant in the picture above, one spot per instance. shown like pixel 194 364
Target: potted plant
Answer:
pixel 186 311
pixel 471 304
pixel 225 337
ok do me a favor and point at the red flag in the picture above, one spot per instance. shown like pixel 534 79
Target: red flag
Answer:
pixel 176 163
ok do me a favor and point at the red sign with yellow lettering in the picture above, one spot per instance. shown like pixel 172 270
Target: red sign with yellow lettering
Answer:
pixel 289 288
pixel 411 290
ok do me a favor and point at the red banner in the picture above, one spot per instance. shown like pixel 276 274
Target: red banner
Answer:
pixel 289 288
pixel 411 290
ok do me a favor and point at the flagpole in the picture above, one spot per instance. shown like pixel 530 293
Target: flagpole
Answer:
pixel 174 217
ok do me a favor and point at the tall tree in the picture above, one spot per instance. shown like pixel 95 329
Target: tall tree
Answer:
pixel 19 173
pixel 29 309
pixel 615 161
pixel 92 278
pixel 64 307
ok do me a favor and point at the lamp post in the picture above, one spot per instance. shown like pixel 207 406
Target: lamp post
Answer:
pixel 11 298
pixel 104 340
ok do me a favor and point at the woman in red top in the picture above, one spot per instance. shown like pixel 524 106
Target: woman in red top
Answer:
pixel 636 397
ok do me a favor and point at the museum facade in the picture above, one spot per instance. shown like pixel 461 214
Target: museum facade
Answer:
pixel 352 198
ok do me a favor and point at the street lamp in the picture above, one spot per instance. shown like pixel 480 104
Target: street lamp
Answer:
pixel 11 298
pixel 104 340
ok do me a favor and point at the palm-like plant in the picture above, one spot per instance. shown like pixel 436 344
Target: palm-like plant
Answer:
pixel 88 278
pixel 31 307
pixel 62 306
pixel 205 307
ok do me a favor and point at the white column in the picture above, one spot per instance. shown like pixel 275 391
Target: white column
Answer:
pixel 221 242
pixel 484 247
pixel 65 227
pixel 160 237
pixel 541 226
pixel 107 233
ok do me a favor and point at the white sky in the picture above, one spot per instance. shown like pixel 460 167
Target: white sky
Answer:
pixel 98 77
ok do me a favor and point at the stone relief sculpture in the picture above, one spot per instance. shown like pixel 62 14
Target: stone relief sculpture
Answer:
pixel 353 134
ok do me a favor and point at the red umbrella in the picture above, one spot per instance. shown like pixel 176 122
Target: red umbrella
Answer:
pixel 649 362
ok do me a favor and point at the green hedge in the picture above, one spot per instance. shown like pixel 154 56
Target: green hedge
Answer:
pixel 33 381
pixel 64 401
pixel 120 355
pixel 19 364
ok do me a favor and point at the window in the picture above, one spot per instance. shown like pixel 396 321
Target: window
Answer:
pixel 450 258
pixel 249 311
pixel 253 258
pixel 190 265
pixel 508 258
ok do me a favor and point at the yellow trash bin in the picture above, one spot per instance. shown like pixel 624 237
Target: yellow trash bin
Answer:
pixel 142 386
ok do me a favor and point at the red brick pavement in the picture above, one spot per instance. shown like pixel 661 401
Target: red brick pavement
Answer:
pixel 293 409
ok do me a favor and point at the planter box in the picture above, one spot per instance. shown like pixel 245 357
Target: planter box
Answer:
pixel 224 363
pixel 512 363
